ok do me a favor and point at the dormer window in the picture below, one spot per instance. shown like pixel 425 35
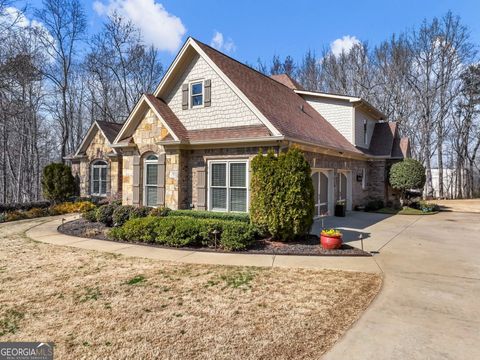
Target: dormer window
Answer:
pixel 196 94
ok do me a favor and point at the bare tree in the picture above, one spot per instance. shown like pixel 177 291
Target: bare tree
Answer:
pixel 65 25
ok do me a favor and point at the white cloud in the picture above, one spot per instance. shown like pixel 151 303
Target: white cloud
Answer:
pixel 159 28
pixel 219 43
pixel 17 18
pixel 344 44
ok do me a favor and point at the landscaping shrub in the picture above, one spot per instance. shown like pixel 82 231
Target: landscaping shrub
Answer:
pixel 58 183
pixel 160 211
pixel 35 213
pixel 374 205
pixel 407 175
pixel 90 215
pixel 140 211
pixel 121 214
pixel 186 231
pixel 139 229
pixel 24 206
pixel 211 215
pixel 15 215
pixel 282 202
pixel 425 206
pixel 70 207
pixel 105 214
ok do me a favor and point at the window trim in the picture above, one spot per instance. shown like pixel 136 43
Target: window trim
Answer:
pixel 227 162
pixel 365 131
pixel 103 165
pixel 145 185
pixel 190 94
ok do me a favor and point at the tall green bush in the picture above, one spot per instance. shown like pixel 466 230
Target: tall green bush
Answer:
pixel 282 202
pixel 58 183
pixel 405 175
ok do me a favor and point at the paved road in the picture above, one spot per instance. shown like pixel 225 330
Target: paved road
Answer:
pixel 429 307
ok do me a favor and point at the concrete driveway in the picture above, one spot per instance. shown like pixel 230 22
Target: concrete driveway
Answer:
pixel 429 307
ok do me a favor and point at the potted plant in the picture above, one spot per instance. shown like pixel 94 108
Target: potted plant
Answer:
pixel 340 208
pixel 331 239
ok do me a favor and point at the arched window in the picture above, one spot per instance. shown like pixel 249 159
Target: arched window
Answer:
pixel 150 180
pixel 99 178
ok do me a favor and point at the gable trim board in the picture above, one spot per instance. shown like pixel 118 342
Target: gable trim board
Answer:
pixel 136 113
pixel 89 137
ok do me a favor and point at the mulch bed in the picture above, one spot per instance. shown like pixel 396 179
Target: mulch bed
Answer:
pixel 309 245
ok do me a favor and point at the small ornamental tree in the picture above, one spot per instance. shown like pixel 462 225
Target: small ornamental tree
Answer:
pixel 58 183
pixel 405 175
pixel 282 202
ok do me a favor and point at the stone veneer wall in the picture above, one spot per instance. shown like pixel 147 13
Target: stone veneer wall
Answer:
pixel 98 150
pixel 148 133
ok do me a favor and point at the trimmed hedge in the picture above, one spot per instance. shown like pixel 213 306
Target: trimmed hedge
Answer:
pixel 282 200
pixel 406 175
pixel 183 231
pixel 244 217
pixel 105 214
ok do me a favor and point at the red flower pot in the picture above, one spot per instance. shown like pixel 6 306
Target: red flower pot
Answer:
pixel 330 242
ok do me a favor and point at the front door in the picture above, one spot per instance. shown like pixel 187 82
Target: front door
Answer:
pixel 320 190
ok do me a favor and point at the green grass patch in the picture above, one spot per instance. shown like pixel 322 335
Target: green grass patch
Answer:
pixel 239 279
pixel 91 294
pixel 138 279
pixel 9 322
pixel 405 211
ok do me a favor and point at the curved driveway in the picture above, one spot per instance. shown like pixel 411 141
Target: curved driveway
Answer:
pixel 429 307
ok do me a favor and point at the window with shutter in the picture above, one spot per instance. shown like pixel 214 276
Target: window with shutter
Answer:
pixel 99 178
pixel 228 185
pixel 150 180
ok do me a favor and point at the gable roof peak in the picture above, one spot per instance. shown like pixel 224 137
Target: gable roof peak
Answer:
pixel 287 80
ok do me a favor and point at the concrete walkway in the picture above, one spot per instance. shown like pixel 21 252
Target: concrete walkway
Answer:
pixel 429 306
pixel 47 232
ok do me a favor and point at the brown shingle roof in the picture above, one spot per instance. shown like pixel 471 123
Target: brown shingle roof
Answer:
pixel 169 117
pixel 238 132
pixel 287 81
pixel 382 139
pixel 110 129
pixel 288 112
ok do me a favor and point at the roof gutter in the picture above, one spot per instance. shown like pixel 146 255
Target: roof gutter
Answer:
pixel 328 151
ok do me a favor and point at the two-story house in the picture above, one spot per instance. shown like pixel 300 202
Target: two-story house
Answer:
pixel 189 144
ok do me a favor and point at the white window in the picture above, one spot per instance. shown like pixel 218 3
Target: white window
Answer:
pixel 365 137
pixel 228 185
pixel 150 180
pixel 99 178
pixel 196 94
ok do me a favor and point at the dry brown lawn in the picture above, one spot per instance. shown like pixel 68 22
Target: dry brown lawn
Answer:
pixel 102 306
